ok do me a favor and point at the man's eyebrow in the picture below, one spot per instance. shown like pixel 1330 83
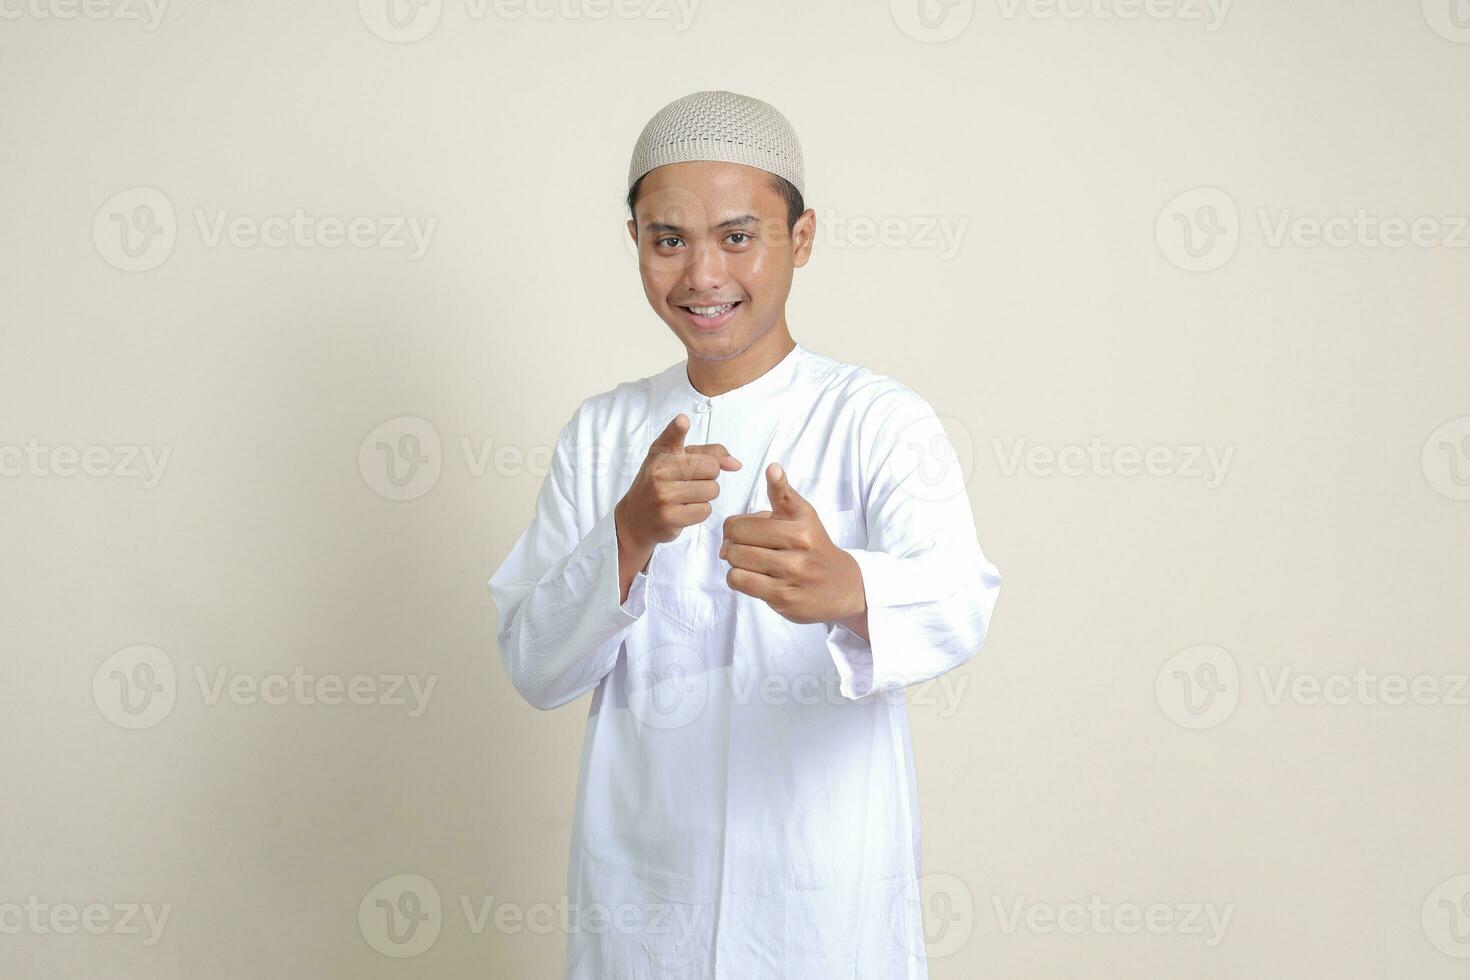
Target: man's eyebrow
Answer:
pixel 744 219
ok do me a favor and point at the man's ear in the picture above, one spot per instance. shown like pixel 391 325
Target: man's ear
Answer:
pixel 633 230
pixel 803 234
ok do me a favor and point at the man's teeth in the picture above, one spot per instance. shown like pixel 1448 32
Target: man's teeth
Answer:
pixel 710 311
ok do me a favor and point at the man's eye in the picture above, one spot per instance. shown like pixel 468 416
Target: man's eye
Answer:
pixel 661 242
pixel 739 234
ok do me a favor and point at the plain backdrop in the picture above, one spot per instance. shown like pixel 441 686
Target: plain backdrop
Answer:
pixel 1086 238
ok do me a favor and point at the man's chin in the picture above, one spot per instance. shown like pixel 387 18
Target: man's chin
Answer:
pixel 711 347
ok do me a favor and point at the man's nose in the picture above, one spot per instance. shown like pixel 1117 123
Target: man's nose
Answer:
pixel 705 268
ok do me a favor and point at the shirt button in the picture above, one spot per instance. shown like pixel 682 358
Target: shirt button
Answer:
pixel 702 407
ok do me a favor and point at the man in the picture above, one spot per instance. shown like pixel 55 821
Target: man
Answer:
pixel 745 557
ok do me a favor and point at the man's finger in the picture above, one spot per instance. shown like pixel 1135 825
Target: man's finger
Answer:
pixel 753 584
pixel 719 452
pixel 685 466
pixel 690 514
pixel 774 562
pixel 671 440
pixel 762 532
pixel 785 501
pixel 693 491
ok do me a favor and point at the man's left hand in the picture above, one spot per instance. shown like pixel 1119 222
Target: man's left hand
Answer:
pixel 784 557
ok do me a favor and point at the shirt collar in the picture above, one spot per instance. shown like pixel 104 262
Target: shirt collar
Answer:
pixel 778 379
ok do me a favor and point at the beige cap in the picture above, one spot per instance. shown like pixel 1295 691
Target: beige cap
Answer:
pixel 722 126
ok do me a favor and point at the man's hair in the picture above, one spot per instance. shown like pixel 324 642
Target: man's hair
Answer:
pixel 794 204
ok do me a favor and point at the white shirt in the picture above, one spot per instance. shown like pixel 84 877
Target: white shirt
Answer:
pixel 746 807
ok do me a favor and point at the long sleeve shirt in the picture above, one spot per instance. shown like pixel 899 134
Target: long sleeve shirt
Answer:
pixel 746 806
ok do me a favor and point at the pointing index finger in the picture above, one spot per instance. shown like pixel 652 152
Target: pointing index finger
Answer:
pixel 671 439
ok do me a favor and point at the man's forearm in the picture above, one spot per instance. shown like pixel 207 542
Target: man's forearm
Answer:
pixel 858 624
pixel 632 558
pixel 858 621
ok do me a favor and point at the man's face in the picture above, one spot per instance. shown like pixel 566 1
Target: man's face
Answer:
pixel 714 234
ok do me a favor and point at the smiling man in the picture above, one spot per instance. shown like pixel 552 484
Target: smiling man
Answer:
pixel 789 546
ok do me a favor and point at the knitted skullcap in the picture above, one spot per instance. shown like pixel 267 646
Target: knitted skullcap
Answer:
pixel 721 126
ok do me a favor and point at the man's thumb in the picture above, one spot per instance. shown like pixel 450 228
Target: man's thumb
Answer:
pixel 671 440
pixel 785 501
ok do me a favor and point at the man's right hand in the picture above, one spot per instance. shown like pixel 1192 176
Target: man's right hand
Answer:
pixel 672 491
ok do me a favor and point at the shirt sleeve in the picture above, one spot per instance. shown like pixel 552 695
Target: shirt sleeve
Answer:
pixel 930 589
pixel 557 594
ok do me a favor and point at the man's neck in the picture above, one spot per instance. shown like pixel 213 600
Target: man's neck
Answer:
pixel 713 378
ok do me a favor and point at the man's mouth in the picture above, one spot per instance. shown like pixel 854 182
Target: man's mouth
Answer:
pixel 711 318
pixel 711 312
